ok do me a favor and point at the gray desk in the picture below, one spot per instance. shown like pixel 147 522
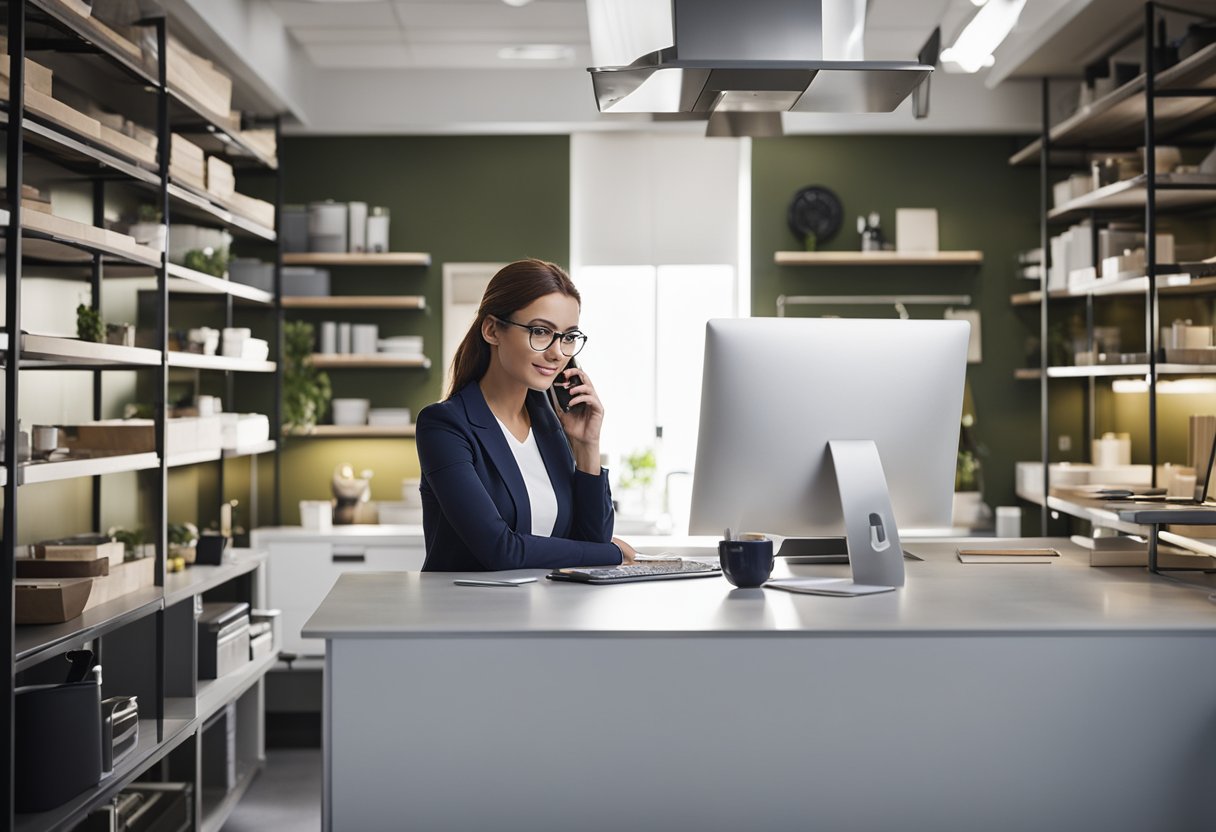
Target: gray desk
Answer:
pixel 977 697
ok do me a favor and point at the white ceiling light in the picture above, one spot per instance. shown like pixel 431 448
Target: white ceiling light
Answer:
pixel 536 52
pixel 973 48
pixel 517 2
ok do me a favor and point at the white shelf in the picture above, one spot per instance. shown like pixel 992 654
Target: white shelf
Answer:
pixel 196 361
pixel 878 258
pixel 36 472
pixel 266 447
pixel 1130 370
pixel 179 460
pixel 185 281
pixel 1133 193
pixel 50 350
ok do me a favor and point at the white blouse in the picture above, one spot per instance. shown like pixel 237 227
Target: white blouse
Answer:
pixel 536 479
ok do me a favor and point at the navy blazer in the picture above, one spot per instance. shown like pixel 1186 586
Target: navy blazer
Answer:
pixel 474 502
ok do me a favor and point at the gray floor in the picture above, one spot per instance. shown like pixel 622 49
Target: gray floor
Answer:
pixel 285 796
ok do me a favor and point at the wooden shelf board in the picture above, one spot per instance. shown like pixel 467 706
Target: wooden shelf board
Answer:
pixel 387 258
pixel 356 432
pixel 356 302
pixel 374 361
pixel 51 349
pixel 878 258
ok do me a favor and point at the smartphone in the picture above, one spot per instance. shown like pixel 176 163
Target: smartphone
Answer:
pixel 561 390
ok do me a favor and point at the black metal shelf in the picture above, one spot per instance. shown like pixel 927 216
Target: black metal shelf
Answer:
pixel 39 642
pixel 79 30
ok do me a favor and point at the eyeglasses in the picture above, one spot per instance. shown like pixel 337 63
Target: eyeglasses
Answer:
pixel 540 338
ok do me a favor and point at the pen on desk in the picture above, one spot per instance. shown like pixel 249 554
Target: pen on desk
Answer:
pixel 727 535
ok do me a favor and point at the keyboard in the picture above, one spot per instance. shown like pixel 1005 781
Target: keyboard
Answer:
pixel 652 571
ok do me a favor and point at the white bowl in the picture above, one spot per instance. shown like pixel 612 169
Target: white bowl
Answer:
pixel 350 412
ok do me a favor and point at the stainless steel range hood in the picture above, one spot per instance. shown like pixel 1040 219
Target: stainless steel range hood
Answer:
pixel 758 56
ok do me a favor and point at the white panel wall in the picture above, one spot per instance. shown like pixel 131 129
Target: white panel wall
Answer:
pixel 654 200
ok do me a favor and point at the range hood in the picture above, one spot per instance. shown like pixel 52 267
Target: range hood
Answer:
pixel 759 56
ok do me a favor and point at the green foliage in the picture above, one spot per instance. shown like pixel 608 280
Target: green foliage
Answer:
pixel 639 468
pixel 148 213
pixel 88 324
pixel 968 472
pixel 182 534
pixel 131 539
pixel 207 260
pixel 306 390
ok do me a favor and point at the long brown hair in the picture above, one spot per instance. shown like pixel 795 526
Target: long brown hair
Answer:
pixel 514 287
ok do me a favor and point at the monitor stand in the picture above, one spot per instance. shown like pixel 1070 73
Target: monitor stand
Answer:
pixel 875 553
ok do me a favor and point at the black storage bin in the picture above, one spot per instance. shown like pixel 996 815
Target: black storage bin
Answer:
pixel 223 639
pixel 57 748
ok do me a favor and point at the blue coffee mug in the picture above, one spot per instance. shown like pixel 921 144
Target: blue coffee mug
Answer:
pixel 746 563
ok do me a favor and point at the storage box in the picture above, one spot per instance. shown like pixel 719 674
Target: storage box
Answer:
pixel 252 272
pixel 223 639
pixel 37 568
pixel 199 79
pixel 240 430
pixel 305 281
pixel 81 548
pixel 220 179
pixel 50 600
pixel 916 229
pixel 37 77
pixel 258 210
pixel 124 578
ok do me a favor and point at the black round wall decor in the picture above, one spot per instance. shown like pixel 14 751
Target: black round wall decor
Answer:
pixel 815 210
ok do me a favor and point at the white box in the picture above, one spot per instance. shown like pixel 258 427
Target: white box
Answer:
pixel 181 435
pixel 916 229
pixel 240 430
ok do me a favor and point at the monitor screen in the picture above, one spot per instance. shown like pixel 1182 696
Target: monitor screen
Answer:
pixel 777 390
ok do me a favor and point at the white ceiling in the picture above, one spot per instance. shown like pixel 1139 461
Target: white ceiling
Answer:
pixel 384 66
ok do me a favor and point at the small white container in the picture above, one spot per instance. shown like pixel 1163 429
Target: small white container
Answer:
pixel 233 341
pixel 389 416
pixel 343 338
pixel 329 337
pixel 1008 521
pixel 363 338
pixel 316 515
pixel 410 494
pixel 377 229
pixel 357 237
pixel 350 412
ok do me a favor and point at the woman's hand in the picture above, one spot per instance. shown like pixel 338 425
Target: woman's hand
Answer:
pixel 628 554
pixel 582 424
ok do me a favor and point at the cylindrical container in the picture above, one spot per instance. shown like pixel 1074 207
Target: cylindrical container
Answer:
pixel 1008 521
pixel 329 337
pixel 316 515
pixel 1112 450
pixel 344 337
pixel 327 225
pixel 348 412
pixel 377 229
pixel 363 338
pixel 45 438
pixel 207 405
pixel 295 228
pixel 357 236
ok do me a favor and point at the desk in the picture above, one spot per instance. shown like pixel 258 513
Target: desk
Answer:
pixel 986 697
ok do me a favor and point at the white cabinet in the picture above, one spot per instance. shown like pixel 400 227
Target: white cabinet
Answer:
pixel 303 567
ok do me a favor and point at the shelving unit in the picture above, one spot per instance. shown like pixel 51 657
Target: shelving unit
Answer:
pixel 139 623
pixel 1177 102
pixel 878 258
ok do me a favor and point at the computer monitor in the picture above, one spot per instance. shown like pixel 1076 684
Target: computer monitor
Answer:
pixel 777 391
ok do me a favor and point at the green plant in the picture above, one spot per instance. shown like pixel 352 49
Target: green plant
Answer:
pixel 88 324
pixel 182 534
pixel 131 539
pixel 968 472
pixel 148 213
pixel 639 468
pixel 306 390
pixel 212 261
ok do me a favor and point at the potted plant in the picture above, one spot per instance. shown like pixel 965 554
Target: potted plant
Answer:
pixel 149 228
pixel 306 390
pixel 969 508
pixel 637 474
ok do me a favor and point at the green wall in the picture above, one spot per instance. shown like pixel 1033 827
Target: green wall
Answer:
pixel 461 198
pixel 982 204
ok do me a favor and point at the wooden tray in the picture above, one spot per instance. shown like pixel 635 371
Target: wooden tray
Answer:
pixel 50 601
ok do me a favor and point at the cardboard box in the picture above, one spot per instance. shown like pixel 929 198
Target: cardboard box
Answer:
pixel 123 579
pixel 78 550
pixel 199 79
pixel 37 76
pixel 56 111
pixel 127 145
pixel 221 180
pixel 916 229
pixel 257 210
pixel 53 601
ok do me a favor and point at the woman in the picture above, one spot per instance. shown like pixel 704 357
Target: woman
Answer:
pixel 507 482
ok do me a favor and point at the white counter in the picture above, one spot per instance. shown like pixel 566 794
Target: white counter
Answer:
pixel 991 697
